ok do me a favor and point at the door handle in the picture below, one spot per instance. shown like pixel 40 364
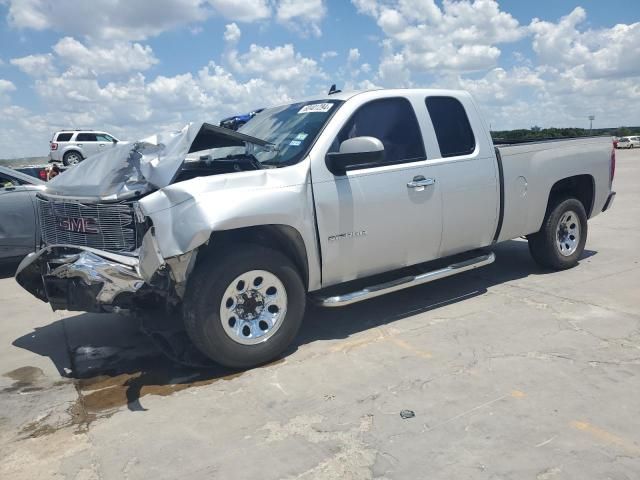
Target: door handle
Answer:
pixel 420 182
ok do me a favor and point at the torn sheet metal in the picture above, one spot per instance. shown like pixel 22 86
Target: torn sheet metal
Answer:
pixel 132 169
pixel 113 277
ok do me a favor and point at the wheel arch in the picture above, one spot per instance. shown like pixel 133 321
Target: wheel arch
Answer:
pixel 581 187
pixel 284 238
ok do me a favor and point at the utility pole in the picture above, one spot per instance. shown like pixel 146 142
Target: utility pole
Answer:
pixel 591 119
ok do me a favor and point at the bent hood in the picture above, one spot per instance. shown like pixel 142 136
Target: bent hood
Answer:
pixel 129 170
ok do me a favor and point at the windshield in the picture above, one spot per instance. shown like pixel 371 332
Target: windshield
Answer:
pixel 291 129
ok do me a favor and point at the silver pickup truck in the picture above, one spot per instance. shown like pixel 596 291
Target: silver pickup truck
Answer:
pixel 336 199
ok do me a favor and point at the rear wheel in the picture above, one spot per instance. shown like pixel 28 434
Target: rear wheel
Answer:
pixel 71 158
pixel 244 308
pixel 561 240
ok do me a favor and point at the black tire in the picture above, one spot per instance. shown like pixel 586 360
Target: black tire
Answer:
pixel 67 159
pixel 204 295
pixel 544 246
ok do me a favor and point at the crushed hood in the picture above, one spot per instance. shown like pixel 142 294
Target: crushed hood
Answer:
pixel 133 169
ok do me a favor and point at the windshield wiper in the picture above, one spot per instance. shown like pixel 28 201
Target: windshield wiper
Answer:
pixel 250 159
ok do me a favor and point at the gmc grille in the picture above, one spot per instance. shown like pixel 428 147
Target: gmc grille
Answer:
pixel 109 227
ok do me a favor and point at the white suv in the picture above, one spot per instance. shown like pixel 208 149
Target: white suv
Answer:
pixel 73 146
pixel 628 142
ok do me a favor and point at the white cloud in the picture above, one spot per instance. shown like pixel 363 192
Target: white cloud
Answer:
pixel 354 55
pixel 242 11
pixel 106 19
pixel 302 15
pixel 422 37
pixel 278 64
pixel 328 54
pixel 232 33
pixel 118 58
pixel 126 19
pixel 36 65
pixel 6 87
pixel 606 52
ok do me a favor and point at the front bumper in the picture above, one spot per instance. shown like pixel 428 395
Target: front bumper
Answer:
pixel 80 278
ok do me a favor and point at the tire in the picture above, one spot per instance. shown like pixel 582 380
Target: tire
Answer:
pixel 218 314
pixel 559 244
pixel 72 157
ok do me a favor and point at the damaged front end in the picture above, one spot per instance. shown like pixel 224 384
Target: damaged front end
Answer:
pixel 99 250
pixel 78 278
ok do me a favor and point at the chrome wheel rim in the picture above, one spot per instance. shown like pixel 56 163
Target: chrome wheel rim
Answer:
pixel 568 233
pixel 73 159
pixel 253 307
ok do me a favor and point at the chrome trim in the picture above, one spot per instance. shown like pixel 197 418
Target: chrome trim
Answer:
pixel 427 182
pixel 113 225
pixel 113 277
pixel 32 257
pixel 406 282
pixel 115 273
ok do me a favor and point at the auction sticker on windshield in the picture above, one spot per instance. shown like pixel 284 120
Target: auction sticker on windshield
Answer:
pixel 316 108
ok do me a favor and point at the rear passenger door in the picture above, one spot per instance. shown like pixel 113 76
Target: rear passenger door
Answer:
pixel 88 142
pixel 468 174
pixel 378 218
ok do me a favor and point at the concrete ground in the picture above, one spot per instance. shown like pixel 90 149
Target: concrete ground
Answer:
pixel 511 372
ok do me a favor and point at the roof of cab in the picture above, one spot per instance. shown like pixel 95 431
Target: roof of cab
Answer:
pixel 344 96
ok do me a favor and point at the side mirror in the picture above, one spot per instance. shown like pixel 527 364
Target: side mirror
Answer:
pixel 355 153
pixel 115 141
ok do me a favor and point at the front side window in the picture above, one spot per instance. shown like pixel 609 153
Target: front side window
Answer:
pixel 103 137
pixel 86 137
pixel 393 122
pixel 451 126
pixel 7 181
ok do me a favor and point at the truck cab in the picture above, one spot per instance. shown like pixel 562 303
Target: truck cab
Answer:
pixel 335 199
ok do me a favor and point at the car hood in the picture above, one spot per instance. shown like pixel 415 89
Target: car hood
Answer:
pixel 132 169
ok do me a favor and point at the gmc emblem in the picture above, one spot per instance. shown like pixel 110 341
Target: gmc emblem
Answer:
pixel 78 225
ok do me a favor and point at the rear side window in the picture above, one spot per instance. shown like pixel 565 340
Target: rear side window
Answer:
pixel 64 137
pixel 86 137
pixel 451 125
pixel 393 122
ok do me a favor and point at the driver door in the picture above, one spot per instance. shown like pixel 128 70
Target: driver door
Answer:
pixel 377 219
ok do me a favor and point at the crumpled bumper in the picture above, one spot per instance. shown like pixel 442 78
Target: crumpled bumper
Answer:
pixel 80 278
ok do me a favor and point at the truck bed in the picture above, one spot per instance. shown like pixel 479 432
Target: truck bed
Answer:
pixel 530 170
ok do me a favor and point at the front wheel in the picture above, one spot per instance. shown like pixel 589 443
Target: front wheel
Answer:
pixel 244 309
pixel 561 240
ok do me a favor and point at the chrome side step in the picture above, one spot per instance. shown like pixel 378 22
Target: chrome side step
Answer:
pixel 405 282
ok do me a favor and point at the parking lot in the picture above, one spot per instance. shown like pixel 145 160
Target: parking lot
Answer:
pixel 511 372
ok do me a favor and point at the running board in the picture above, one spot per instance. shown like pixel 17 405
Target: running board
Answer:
pixel 405 282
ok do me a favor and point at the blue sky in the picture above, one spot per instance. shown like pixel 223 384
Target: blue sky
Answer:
pixel 135 67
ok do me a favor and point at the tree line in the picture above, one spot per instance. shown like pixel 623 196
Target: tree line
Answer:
pixel 536 132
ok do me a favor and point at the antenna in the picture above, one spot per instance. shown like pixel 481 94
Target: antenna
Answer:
pixel 333 89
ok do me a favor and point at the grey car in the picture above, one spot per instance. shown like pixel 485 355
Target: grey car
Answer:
pixel 18 219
